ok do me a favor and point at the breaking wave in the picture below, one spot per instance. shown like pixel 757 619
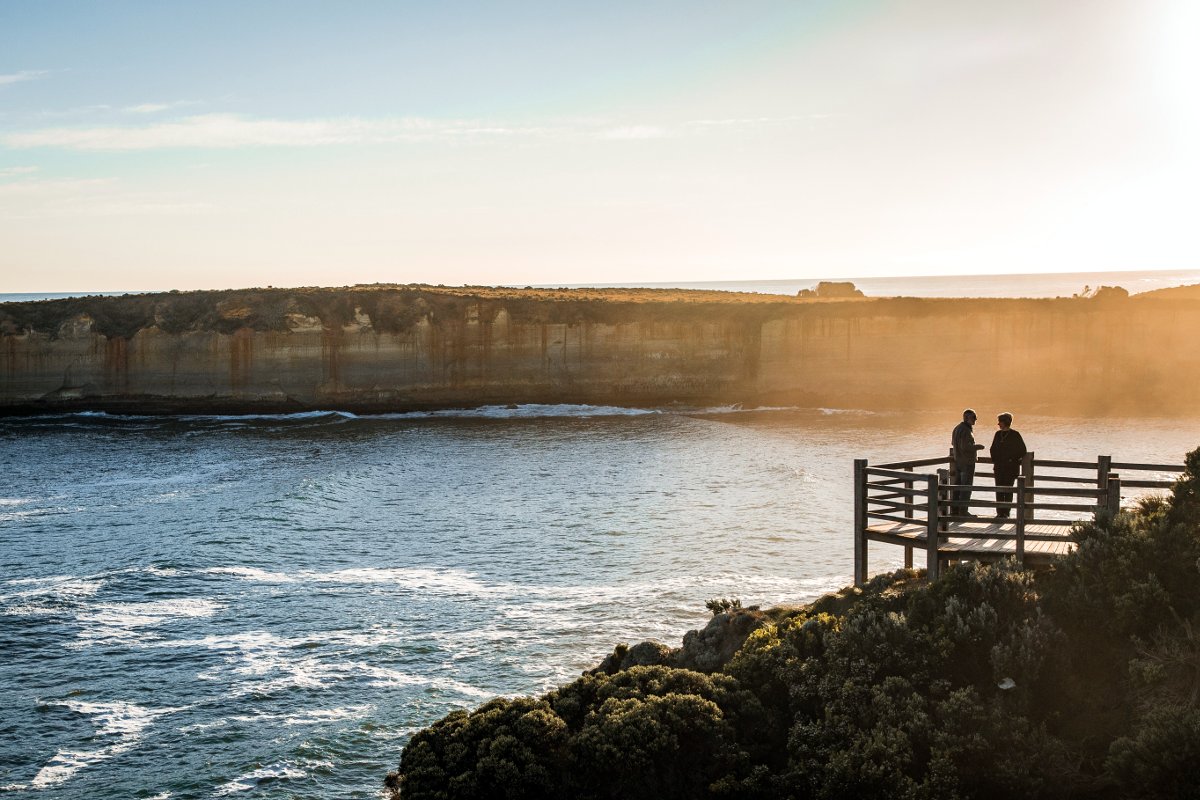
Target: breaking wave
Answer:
pixel 118 728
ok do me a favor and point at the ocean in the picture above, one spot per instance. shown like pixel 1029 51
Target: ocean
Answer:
pixel 1061 284
pixel 270 606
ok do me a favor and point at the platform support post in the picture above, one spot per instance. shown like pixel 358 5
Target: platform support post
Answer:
pixel 860 521
pixel 931 528
pixel 945 496
pixel 1027 468
pixel 1113 498
pixel 1021 521
pixel 908 514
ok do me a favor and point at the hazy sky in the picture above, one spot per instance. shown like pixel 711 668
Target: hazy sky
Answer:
pixel 152 145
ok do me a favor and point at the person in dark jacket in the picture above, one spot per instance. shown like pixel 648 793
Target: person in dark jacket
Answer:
pixel 1007 451
pixel 965 449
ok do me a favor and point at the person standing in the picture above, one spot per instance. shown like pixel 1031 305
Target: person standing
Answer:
pixel 1007 451
pixel 963 442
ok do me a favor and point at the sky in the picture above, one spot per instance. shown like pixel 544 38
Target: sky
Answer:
pixel 151 145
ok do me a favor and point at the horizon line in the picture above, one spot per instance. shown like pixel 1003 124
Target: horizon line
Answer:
pixel 619 285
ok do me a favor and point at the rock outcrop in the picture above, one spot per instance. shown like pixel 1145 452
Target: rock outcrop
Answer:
pixel 704 650
pixel 831 290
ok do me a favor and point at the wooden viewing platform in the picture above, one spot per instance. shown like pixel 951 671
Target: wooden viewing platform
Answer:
pixel 899 505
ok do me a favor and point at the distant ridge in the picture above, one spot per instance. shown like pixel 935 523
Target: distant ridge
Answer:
pixel 1174 293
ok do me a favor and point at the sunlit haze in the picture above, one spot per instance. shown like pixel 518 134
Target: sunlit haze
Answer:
pixel 154 145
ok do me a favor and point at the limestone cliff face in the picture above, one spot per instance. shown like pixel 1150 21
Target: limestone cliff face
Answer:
pixel 471 353
pixel 389 349
pixel 1072 355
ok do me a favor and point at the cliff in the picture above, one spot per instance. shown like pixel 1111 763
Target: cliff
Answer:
pixel 396 348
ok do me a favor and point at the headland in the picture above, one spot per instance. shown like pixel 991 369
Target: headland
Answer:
pixel 395 348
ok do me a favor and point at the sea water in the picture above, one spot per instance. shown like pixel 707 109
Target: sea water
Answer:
pixel 269 607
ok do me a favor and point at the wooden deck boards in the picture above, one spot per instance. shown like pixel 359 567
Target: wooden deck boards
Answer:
pixel 970 539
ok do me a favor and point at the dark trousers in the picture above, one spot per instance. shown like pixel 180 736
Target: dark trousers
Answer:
pixel 964 475
pixel 1004 479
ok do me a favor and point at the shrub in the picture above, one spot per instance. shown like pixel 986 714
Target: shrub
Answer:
pixel 722 605
pixel 1159 759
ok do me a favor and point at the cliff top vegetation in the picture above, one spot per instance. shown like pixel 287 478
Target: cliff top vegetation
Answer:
pixel 1081 682
pixel 1173 293
pixel 389 308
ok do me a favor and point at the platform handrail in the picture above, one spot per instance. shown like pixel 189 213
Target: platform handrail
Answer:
pixel 919 506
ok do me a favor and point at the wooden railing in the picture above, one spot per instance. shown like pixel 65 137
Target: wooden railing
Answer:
pixel 897 504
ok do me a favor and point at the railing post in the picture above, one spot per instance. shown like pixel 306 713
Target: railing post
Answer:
pixel 931 526
pixel 908 500
pixel 1027 470
pixel 1103 467
pixel 908 514
pixel 1021 520
pixel 860 521
pixel 1113 496
pixel 944 495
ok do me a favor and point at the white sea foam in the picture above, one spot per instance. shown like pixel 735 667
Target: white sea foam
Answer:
pixel 249 640
pixel 298 416
pixel 321 716
pixel 738 408
pixel 283 671
pixel 857 412
pixel 521 411
pixel 203 726
pixel 537 410
pixel 442 581
pixel 586 619
pixel 250 573
pixel 47 595
pixel 314 717
pixel 10 516
pixel 346 639
pixel 15 501
pixel 64 586
pixel 383 677
pixel 125 621
pixel 438 581
pixel 243 783
pixel 158 572
pixel 253 650
pixel 30 610
pixel 119 727
pixel 259 662
pixel 753 588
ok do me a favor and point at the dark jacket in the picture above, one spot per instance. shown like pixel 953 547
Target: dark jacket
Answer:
pixel 1007 450
pixel 964 445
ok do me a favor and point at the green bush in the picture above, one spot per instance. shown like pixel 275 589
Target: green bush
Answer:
pixel 646 732
pixel 1159 759
pixel 723 605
